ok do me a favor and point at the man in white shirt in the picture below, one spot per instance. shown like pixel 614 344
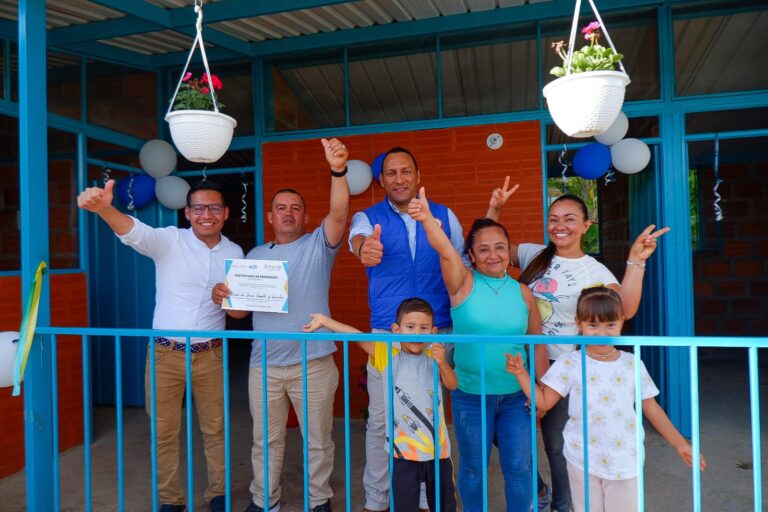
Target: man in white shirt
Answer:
pixel 188 263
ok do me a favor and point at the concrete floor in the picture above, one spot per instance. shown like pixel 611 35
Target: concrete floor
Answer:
pixel 725 437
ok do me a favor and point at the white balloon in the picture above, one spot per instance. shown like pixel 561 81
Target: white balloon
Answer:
pixel 171 191
pixel 359 176
pixel 615 132
pixel 630 156
pixel 9 345
pixel 158 158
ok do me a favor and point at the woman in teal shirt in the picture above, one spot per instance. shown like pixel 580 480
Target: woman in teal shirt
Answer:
pixel 485 300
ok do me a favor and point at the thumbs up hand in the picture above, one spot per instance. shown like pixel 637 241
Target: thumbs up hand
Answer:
pixel 371 250
pixel 95 199
pixel 418 208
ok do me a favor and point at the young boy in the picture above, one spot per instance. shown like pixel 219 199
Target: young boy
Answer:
pixel 413 396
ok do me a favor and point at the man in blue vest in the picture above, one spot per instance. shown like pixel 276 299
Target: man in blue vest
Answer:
pixel 400 264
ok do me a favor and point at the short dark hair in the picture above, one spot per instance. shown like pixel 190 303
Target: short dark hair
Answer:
pixel 206 185
pixel 599 304
pixel 414 305
pixel 399 149
pixel 287 191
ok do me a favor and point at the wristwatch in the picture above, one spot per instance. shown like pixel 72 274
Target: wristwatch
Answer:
pixel 340 174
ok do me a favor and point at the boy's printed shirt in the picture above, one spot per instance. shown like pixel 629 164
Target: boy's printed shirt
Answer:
pixel 612 418
pixel 413 404
pixel 557 290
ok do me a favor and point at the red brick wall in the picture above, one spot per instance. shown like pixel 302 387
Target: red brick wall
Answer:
pixel 731 269
pixel 457 169
pixel 69 307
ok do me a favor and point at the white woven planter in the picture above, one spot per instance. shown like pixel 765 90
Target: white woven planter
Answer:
pixel 201 135
pixel 586 104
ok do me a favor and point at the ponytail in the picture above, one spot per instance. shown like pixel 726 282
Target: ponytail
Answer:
pixel 539 265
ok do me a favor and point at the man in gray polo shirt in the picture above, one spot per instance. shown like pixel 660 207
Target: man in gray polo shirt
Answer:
pixel 310 258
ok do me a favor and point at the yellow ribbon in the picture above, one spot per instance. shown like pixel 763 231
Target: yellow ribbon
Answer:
pixel 27 330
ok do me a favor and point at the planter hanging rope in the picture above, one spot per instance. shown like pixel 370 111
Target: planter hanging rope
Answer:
pixel 200 135
pixel 587 103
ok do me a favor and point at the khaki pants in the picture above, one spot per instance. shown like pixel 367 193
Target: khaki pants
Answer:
pixel 604 495
pixel 207 390
pixel 284 386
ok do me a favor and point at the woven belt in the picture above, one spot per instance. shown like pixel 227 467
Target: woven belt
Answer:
pixel 195 347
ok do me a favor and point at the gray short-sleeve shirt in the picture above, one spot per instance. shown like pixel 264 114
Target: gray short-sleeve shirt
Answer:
pixel 310 260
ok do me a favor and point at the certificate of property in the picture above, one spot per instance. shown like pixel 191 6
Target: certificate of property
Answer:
pixel 256 285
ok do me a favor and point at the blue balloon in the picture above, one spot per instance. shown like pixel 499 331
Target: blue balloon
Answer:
pixel 592 161
pixel 377 165
pixel 143 190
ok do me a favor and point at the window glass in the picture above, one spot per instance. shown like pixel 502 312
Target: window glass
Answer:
pixel 726 120
pixel 491 72
pixel 639 127
pixel 306 94
pixel 64 96
pixel 722 53
pixel 399 85
pixel 122 99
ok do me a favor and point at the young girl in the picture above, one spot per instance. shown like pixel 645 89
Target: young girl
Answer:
pixel 610 406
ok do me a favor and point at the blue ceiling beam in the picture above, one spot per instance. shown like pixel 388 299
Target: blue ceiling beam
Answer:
pixel 236 9
pixel 130 26
pixel 431 26
pixel 178 58
pixel 110 54
pixel 96 30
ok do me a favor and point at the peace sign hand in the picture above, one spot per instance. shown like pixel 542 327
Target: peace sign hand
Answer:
pixel 499 196
pixel 645 244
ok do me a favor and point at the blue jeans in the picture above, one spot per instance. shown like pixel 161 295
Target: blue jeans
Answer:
pixel 509 421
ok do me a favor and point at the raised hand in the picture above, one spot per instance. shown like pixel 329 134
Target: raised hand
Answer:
pixel 95 199
pixel 220 292
pixel 645 244
pixel 372 249
pixel 317 320
pixel 336 153
pixel 499 196
pixel 418 208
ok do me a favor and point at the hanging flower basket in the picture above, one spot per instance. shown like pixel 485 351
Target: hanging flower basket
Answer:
pixel 586 104
pixel 588 95
pixel 201 135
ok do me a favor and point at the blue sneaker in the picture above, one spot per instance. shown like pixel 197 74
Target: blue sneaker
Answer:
pixel 546 500
pixel 252 507
pixel 325 507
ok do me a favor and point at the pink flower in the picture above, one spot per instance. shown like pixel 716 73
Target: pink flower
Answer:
pixel 205 90
pixel 187 77
pixel 590 28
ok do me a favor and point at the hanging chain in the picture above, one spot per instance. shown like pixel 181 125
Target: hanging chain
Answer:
pixel 610 177
pixel 563 160
pixel 243 214
pixel 131 206
pixel 716 203
pixel 105 174
pixel 205 176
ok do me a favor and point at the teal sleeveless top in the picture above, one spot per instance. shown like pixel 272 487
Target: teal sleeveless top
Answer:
pixel 494 306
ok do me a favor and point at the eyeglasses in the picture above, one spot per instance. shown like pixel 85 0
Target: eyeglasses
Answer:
pixel 199 209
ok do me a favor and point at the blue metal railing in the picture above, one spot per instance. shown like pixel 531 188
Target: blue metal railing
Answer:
pixel 694 343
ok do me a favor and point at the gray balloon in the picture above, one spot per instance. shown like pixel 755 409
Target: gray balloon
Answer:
pixel 158 158
pixel 171 191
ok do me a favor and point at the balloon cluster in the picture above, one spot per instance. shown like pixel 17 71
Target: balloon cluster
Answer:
pixel 158 159
pixel 628 156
